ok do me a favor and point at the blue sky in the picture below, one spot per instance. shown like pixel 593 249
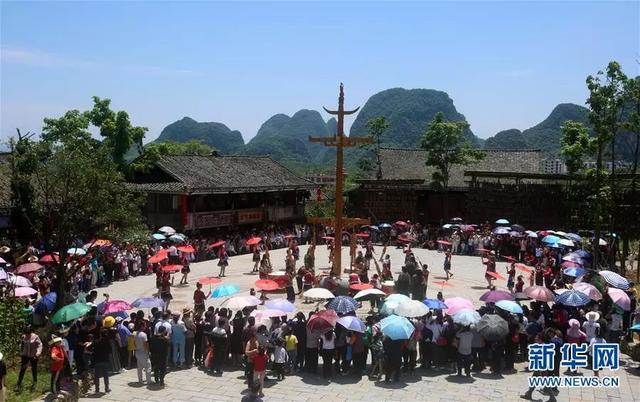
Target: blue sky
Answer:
pixel 505 64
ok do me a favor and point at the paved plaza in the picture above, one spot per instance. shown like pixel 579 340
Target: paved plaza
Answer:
pixel 432 385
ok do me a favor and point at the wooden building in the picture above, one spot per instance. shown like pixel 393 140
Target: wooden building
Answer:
pixel 405 190
pixel 193 193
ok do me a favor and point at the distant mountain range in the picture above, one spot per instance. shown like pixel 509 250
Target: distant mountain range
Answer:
pixel 408 111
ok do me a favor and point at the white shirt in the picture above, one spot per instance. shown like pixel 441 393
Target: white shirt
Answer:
pixel 165 324
pixel 140 340
pixel 436 329
pixel 590 329
pixel 328 343
pixel 280 355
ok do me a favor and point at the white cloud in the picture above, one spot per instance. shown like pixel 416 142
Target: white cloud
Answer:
pixel 37 58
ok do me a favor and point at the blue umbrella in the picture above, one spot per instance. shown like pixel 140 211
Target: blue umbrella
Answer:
pixel 635 327
pixel 510 306
pixel 573 237
pixel 501 231
pixel 177 237
pixel 550 239
pixel 391 302
pixel 224 291
pixel 148 302
pixel 343 304
pixel 158 236
pixel 435 304
pixel 352 323
pixel 396 327
pixel 502 221
pixel 582 254
pixel 281 304
pixel 384 226
pixel 573 298
pixel 614 279
pixel 574 271
pixel 46 303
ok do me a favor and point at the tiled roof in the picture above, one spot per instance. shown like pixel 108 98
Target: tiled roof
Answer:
pixel 194 174
pixel 409 164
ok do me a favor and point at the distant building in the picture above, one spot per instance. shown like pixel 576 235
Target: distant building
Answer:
pixel 204 192
pixel 554 166
pixel 607 165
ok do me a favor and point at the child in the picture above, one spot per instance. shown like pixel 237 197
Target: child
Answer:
pixel 520 284
pixel 259 369
pixel 279 359
pixel 57 363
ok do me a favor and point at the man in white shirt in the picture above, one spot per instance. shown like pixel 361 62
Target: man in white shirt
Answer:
pixel 464 338
pixel 142 352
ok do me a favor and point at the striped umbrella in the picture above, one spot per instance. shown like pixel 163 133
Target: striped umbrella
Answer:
pixel 615 280
pixel 343 304
pixel 573 298
pixel 589 290
pixel 540 293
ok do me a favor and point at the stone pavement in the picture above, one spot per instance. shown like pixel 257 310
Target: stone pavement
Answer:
pixel 433 385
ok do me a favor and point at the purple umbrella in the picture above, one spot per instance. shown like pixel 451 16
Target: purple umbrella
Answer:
pixel 493 296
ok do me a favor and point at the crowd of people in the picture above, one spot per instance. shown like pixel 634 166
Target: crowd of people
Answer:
pixel 98 344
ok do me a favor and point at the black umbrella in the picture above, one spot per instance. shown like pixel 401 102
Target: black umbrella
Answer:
pixel 517 228
pixel 492 327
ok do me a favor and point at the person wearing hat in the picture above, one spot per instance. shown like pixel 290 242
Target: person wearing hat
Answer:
pixel 57 362
pixel 591 325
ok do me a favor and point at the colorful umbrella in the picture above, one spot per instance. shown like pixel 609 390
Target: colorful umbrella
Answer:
pixel 492 327
pixel 589 290
pixel 566 243
pixel 483 250
pixel 573 298
pixel 217 244
pixel 155 259
pixel 148 302
pixel 393 301
pixel 343 304
pixel 327 238
pixel 187 249
pixel 267 284
pixel 620 297
pixel 260 315
pixel 224 291
pixel 167 230
pixel 49 258
pixel 115 306
pixel 253 241
pixel 281 304
pixel 363 235
pixel 443 284
pixel 495 275
pixel 240 302
pixel 352 323
pixel 635 327
pixel 29 267
pixel 46 303
pixel 570 264
pixel 158 236
pixel 209 280
pixel 361 286
pixel 493 296
pixel 509 258
pixel 322 321
pixel 550 239
pixel 435 304
pixel 501 231
pixel 444 242
pixel 3 275
pixel 574 271
pixel 318 293
pixel 411 308
pixel 384 226
pixel 70 312
pixel 177 237
pixel 171 268
pixel 615 280
pixel 510 306
pixel 456 304
pixel 24 291
pixel 524 268
pixel 540 293
pixel 396 327
pixel 76 251
pixel 17 280
pixel 369 293
pixel 502 221
pixel 466 317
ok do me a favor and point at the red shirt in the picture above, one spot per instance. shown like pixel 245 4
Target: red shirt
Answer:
pixel 57 358
pixel 198 296
pixel 260 362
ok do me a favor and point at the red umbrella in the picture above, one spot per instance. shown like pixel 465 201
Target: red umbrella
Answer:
pixel 361 286
pixel 209 280
pixel 405 239
pixel 524 268
pixel 157 258
pixel 322 321
pixel 495 275
pixel 172 268
pixel 443 283
pixel 362 234
pixel 267 284
pixel 483 250
pixel 509 258
pixel 444 242
pixel 253 241
pixel 29 267
pixel 327 238
pixel 401 223
pixel 49 258
pixel 115 306
pixel 187 249
pixel 217 244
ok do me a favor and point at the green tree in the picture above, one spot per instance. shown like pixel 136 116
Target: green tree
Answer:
pixel 575 145
pixel 445 146
pixel 154 151
pixel 606 102
pixel 376 127
pixel 78 189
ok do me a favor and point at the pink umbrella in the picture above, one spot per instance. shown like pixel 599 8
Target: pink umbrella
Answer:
pixel 620 297
pixel 24 291
pixel 268 313
pixel 456 304
pixel 570 264
pixel 540 293
pixel 17 280
pixel 29 267
pixel 493 296
pixel 589 290
pixel 115 306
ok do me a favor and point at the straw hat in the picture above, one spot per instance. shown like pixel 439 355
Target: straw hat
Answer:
pixel 593 316
pixel 4 249
pixel 32 258
pixel 54 340
pixel 186 310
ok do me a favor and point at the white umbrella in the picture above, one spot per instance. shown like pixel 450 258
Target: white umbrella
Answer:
pixel 369 292
pixel 411 308
pixel 567 242
pixel 352 323
pixel 318 293
pixel 466 317
pixel 240 302
pixel 76 251
pixel 17 280
pixel 167 230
